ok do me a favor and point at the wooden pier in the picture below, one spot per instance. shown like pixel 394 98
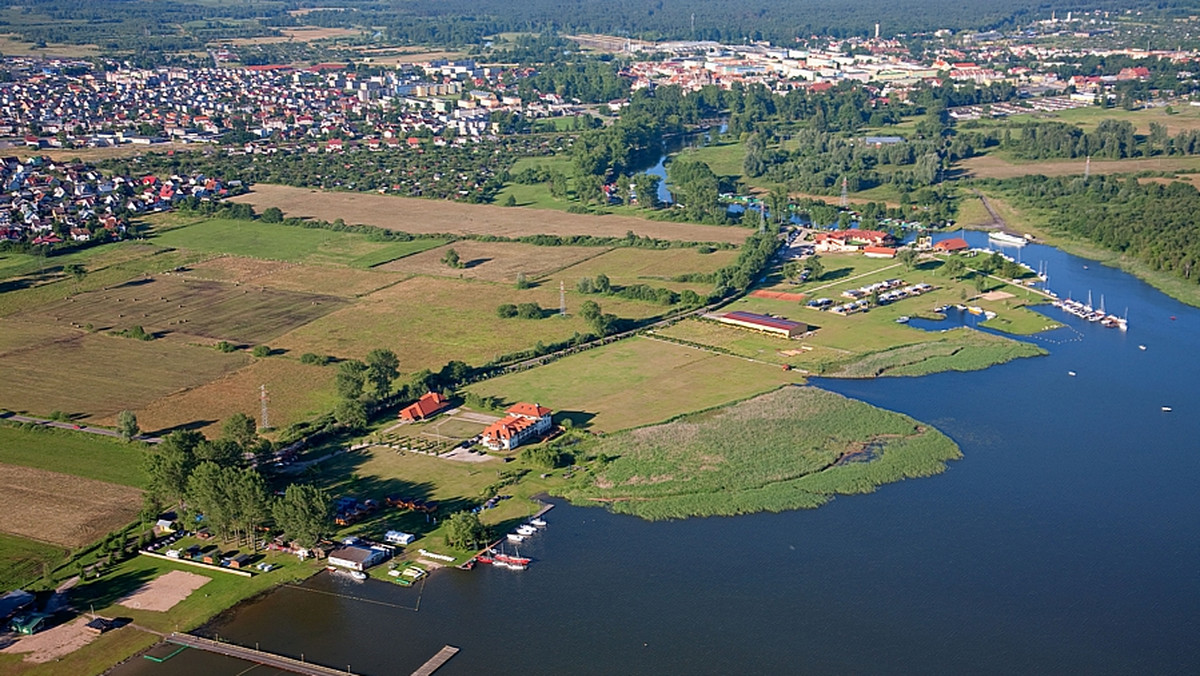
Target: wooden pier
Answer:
pixel 443 656
pixel 265 658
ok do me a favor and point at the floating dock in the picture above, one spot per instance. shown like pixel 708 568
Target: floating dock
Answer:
pixel 262 657
pixel 443 656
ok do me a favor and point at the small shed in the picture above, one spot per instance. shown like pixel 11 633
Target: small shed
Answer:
pixel 239 561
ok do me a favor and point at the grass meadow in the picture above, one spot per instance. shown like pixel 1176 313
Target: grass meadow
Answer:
pixel 793 448
pixel 22 560
pixel 635 382
pixel 81 454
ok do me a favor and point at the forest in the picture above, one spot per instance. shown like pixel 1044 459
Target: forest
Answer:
pixel 1151 222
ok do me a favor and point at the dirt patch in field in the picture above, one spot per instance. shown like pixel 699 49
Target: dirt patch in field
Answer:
pixel 997 295
pixel 164 593
pixel 494 261
pixel 989 166
pixel 56 642
pixel 60 508
pixel 415 215
pixel 233 269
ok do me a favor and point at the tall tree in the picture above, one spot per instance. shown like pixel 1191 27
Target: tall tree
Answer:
pixel 303 513
pixel 382 369
pixel 127 425
pixel 170 465
pixel 240 429
pixel 351 378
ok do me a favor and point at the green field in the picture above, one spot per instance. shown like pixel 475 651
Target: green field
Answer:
pixel 287 243
pixel 794 448
pixel 79 453
pixel 635 382
pixel 653 267
pixel 22 560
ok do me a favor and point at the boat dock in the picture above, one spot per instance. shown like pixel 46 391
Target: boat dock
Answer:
pixel 270 659
pixel 443 656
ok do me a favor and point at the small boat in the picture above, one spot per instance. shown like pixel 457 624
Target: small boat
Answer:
pixel 515 537
pixel 1142 347
pixel 1071 373
pixel 903 319
pixel 526 530
pixel 1166 409
pixel 1005 238
pixel 538 522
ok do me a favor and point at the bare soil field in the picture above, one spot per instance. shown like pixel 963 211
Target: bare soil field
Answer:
pixel 417 215
pixel 296 392
pixel 164 593
pixel 494 261
pixel 54 643
pixel 988 166
pixel 214 310
pixel 428 321
pixel 97 375
pixel 234 269
pixel 32 506
pixel 656 267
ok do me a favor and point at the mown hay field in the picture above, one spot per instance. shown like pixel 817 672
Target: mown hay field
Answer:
pixel 494 261
pixel 429 321
pixel 793 448
pixel 82 454
pixel 415 215
pixel 212 310
pixel 635 382
pixel 326 280
pixel 654 267
pixel 996 166
pixel 272 241
pixel 296 392
pixel 97 375
pixel 62 509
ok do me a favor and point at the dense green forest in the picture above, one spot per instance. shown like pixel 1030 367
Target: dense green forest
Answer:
pixel 1152 222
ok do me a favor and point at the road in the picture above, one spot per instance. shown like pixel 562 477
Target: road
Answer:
pixel 76 427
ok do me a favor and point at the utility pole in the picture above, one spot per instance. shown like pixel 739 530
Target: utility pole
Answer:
pixel 266 422
pixel 562 298
pixel 845 195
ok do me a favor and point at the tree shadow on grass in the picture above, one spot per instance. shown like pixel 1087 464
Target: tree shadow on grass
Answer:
pixel 475 262
pixel 579 419
pixel 109 589
pixel 833 275
pixel 193 425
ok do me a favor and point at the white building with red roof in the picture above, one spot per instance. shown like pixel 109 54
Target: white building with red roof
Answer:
pixel 523 422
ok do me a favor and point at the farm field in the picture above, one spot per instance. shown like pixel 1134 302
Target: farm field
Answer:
pixel 626 266
pixel 494 261
pixel 328 280
pixel 997 166
pixel 97 375
pixel 21 560
pixel 270 241
pixel 171 305
pixel 80 454
pixel 423 216
pixel 793 448
pixel 296 392
pixel 635 382
pixel 429 321
pixel 32 506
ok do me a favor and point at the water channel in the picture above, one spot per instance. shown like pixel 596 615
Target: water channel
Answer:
pixel 1065 541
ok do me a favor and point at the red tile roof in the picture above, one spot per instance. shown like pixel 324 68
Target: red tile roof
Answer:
pixel 424 407
pixel 529 410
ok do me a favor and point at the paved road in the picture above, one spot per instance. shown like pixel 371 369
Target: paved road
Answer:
pixel 74 426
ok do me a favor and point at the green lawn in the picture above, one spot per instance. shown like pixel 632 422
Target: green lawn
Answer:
pixel 21 560
pixel 78 453
pixel 635 382
pixel 287 243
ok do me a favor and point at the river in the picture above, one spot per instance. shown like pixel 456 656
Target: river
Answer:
pixel 1065 541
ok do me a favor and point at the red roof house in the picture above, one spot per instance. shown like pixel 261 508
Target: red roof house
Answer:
pixel 429 404
pixel 523 422
pixel 952 245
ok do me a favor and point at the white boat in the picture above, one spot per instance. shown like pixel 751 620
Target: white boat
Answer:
pixel 1166 409
pixel 526 530
pixel 515 537
pixel 1141 347
pixel 903 319
pixel 1070 373
pixel 1005 238
pixel 537 522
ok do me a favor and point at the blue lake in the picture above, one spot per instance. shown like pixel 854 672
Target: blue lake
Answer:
pixel 1065 541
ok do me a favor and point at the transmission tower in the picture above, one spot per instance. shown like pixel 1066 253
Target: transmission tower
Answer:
pixel 845 198
pixel 1087 168
pixel 562 299
pixel 262 397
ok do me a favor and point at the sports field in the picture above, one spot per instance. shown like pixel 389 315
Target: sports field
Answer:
pixel 433 216
pixel 636 382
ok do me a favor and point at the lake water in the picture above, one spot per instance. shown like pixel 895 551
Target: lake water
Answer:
pixel 1064 541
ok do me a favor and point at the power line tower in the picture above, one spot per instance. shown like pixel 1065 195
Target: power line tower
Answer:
pixel 263 399
pixel 562 298
pixel 845 196
pixel 1087 168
